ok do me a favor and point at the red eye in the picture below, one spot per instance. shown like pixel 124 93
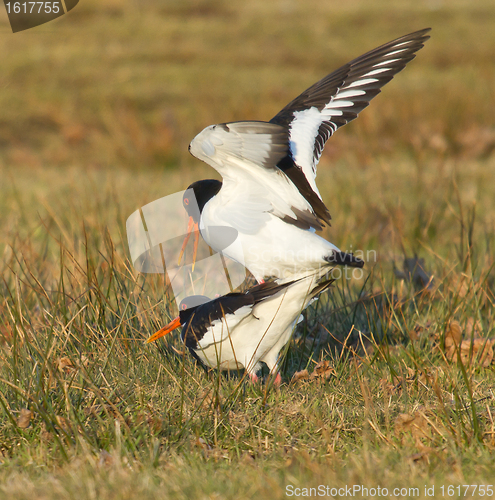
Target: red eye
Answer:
pixel 183 307
pixel 186 201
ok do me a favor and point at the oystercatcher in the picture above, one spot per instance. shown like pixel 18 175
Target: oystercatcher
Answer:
pixel 241 330
pixel 269 196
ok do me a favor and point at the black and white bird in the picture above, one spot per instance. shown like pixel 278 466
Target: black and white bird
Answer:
pixel 241 330
pixel 269 196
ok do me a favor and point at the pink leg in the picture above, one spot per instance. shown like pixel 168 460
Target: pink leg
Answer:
pixel 253 377
pixel 278 380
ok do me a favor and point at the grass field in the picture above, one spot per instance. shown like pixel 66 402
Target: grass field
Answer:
pixel 98 108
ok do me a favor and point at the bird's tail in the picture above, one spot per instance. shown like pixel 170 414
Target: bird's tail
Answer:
pixel 322 285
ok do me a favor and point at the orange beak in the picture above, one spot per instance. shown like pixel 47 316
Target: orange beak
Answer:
pixel 191 226
pixel 175 323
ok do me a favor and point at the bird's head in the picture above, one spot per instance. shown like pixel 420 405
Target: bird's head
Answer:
pixel 195 197
pixel 186 310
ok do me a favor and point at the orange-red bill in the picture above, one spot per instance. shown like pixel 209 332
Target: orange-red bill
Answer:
pixel 175 323
pixel 191 226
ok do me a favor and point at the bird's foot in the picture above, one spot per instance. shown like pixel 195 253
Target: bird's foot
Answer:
pixel 278 380
pixel 254 378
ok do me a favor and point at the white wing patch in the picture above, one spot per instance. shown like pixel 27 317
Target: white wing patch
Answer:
pixel 340 96
pixel 375 72
pixel 362 83
pixel 302 132
pixel 220 329
pixel 350 93
pixel 385 63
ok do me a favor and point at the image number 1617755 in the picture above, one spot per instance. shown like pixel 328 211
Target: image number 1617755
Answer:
pixel 24 15
pixel 32 7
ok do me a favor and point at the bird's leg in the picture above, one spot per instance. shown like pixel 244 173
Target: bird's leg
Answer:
pixel 253 377
pixel 278 378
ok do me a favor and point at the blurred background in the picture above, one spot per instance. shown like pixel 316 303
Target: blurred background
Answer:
pixel 99 106
pixel 97 109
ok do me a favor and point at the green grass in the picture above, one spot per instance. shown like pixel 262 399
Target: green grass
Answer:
pixel 97 111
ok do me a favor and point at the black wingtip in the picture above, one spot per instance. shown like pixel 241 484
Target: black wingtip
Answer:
pixel 344 259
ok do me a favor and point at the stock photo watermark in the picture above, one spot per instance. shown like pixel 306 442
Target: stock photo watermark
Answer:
pixel 24 15
pixel 164 238
pixel 360 491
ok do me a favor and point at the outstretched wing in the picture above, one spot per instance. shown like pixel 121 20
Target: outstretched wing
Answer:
pixel 275 163
pixel 319 111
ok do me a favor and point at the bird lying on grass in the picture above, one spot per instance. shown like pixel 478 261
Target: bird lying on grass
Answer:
pixel 242 330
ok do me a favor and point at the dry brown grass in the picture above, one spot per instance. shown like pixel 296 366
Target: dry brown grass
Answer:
pixel 97 112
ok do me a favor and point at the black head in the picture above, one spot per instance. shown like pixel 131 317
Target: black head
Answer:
pixel 204 191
